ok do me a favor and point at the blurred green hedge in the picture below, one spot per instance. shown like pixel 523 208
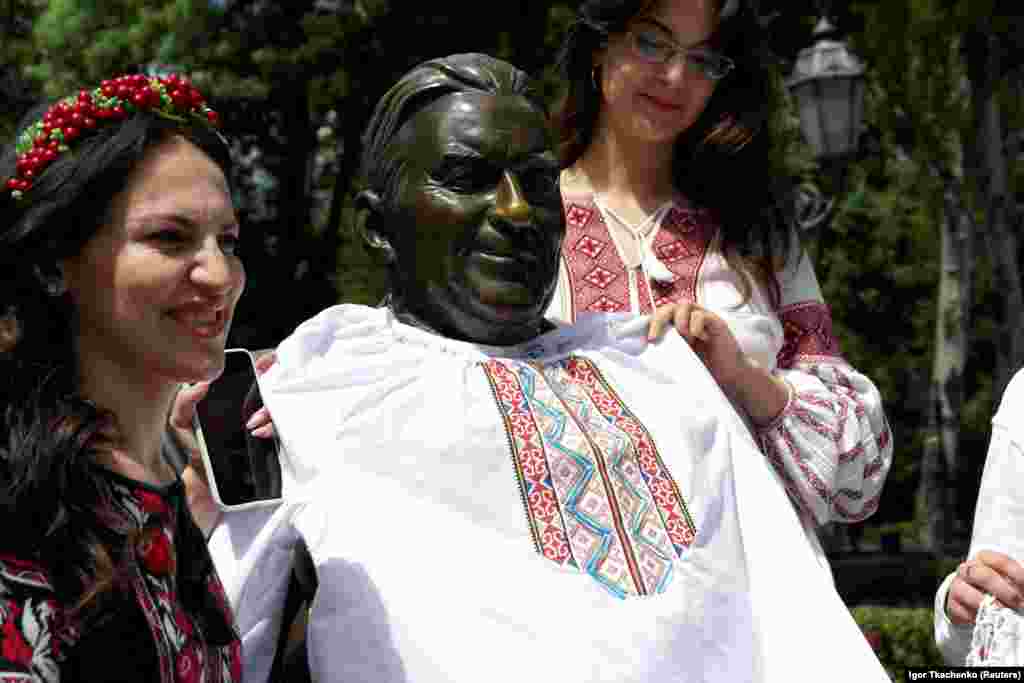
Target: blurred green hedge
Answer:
pixel 900 636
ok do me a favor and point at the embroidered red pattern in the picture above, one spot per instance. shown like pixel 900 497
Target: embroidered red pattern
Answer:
pixel 593 470
pixel 831 430
pixel 861 514
pixel 810 476
pixel 598 279
pixel 674 514
pixel 777 459
pixel 589 246
pixel 24 572
pixel 807 333
pixel 36 632
pixel 543 514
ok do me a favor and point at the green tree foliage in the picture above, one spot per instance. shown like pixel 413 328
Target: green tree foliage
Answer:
pixel 16 49
pixel 83 41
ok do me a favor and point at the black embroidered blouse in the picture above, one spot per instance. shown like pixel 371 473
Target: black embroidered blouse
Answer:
pixel 147 634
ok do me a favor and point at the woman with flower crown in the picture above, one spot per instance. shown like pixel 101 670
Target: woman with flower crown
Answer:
pixel 671 207
pixel 117 243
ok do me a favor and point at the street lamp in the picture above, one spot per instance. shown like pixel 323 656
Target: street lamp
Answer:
pixel 828 85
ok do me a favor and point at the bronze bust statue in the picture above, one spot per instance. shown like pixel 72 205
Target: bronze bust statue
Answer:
pixel 463 199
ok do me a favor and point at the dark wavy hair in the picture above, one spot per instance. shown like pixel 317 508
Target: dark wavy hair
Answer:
pixel 725 154
pixel 49 433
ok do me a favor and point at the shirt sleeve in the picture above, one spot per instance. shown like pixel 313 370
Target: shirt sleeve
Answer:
pixel 831 444
pixel 998 515
pixel 27 644
pixel 953 640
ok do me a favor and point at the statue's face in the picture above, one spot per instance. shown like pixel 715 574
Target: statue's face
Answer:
pixel 480 217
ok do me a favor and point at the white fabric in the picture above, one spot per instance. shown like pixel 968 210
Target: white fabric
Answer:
pixel 634 243
pixel 998 636
pixel 999 513
pixel 400 479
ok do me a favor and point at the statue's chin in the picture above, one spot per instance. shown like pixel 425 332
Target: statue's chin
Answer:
pixel 508 302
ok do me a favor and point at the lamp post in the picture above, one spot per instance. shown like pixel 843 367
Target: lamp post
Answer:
pixel 828 85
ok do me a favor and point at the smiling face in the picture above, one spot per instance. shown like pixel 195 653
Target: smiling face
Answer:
pixel 479 217
pixel 650 102
pixel 155 289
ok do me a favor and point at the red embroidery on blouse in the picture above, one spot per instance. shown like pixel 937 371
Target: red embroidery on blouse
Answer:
pixel 777 459
pixel 36 632
pixel 807 332
pixel 860 515
pixel 14 648
pixel 598 279
pixel 155 551
pixel 23 571
pixel 883 439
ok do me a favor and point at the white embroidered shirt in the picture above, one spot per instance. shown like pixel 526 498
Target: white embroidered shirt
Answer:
pixel 565 509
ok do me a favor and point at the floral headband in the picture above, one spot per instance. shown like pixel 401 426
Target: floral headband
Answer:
pixel 172 97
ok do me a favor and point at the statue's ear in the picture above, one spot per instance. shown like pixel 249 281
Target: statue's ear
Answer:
pixel 371 226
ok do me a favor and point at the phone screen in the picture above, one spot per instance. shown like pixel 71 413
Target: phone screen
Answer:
pixel 245 469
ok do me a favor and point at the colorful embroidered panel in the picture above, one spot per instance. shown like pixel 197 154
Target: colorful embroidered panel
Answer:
pixel 597 495
pixel 598 278
pixel 677 520
pixel 807 333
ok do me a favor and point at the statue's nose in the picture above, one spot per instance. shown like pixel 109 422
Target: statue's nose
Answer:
pixel 511 202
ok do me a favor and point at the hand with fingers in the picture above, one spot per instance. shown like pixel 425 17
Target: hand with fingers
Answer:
pixel 988 572
pixel 260 425
pixel 708 335
pixel 762 395
pixel 197 488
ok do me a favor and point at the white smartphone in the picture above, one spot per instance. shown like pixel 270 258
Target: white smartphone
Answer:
pixel 244 471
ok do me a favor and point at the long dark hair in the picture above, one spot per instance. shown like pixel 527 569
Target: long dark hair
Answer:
pixel 727 151
pixel 49 433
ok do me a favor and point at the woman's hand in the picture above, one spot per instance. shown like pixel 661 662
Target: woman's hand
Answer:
pixel 988 572
pixel 709 336
pixel 762 395
pixel 260 425
pixel 197 489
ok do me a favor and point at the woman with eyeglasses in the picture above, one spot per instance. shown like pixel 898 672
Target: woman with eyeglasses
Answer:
pixel 672 209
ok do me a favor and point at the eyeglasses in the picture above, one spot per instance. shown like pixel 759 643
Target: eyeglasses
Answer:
pixel 654 48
